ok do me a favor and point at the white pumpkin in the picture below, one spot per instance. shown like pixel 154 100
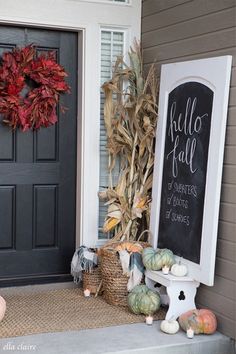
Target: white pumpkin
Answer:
pixel 179 270
pixel 169 326
pixel 2 308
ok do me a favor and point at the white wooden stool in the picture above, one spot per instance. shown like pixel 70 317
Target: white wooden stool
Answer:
pixel 181 291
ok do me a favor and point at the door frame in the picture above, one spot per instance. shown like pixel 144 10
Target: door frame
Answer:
pixel 87 24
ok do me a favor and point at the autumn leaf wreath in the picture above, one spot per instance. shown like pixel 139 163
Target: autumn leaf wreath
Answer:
pixel 30 87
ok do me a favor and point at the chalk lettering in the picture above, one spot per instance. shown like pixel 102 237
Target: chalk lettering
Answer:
pixel 187 189
pixel 188 126
pixel 185 157
pixel 180 218
pixel 180 202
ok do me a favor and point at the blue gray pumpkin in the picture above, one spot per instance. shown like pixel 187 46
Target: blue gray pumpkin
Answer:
pixel 142 300
pixel 156 259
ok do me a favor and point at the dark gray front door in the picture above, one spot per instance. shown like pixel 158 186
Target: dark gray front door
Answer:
pixel 38 177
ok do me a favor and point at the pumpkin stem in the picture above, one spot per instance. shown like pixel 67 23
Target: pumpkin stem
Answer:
pixel 172 319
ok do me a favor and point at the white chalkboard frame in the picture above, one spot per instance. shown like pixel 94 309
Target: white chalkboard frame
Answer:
pixel 214 73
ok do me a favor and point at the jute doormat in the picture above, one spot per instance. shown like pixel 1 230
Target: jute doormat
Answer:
pixel 62 310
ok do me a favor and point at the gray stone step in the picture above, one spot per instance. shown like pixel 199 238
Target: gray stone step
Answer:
pixel 125 339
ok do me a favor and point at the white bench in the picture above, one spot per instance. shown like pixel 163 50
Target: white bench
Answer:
pixel 181 291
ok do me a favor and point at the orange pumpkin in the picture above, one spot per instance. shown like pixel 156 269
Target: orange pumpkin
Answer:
pixel 129 246
pixel 201 321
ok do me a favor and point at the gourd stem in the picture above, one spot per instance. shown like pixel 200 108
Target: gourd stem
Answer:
pixel 171 319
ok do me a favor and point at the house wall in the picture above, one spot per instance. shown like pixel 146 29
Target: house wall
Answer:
pixel 179 30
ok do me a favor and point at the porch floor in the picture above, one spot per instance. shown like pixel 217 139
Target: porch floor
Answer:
pixel 135 338
pixel 125 339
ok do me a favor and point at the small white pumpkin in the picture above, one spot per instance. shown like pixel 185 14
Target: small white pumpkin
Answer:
pixel 170 326
pixel 179 269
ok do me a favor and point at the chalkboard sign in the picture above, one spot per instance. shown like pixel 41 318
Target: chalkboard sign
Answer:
pixel 189 152
pixel 184 169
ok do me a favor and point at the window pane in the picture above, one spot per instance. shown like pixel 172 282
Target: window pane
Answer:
pixel 112 45
pixel 106 35
pixel 118 37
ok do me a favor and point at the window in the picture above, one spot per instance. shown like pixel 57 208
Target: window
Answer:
pixel 112 45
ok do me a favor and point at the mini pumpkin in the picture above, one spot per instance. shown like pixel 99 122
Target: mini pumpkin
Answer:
pixel 179 270
pixel 201 321
pixel 2 308
pixel 143 300
pixel 170 326
pixel 156 259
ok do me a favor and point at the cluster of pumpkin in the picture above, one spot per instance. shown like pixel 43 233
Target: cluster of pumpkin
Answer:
pixel 200 321
pixel 143 300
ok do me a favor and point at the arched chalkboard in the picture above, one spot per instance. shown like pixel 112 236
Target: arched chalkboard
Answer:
pixel 184 169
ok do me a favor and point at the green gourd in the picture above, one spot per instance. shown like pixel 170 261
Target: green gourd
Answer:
pixel 143 300
pixel 156 259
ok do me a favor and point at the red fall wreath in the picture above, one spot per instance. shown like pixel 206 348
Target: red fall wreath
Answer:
pixel 30 88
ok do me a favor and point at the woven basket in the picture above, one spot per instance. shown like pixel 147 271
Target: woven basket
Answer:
pixel 93 280
pixel 113 280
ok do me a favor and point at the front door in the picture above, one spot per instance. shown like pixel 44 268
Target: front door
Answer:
pixel 38 177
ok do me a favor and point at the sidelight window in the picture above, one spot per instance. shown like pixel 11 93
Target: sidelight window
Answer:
pixel 112 45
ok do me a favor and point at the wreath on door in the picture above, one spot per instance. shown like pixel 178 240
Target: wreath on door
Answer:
pixel 30 87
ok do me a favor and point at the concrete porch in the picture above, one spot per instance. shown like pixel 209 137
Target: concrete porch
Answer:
pixel 132 338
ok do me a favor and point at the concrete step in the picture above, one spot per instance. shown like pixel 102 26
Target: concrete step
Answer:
pixel 125 339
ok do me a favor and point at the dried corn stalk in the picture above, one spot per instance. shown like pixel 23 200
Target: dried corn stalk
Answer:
pixel 130 117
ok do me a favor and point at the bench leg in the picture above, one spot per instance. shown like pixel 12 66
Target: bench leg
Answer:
pixel 181 298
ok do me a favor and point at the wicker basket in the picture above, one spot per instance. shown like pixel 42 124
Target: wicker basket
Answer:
pixel 93 280
pixel 113 280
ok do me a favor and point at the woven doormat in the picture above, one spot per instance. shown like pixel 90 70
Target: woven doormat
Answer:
pixel 62 310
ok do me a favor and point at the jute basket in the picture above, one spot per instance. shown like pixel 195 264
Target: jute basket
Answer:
pixel 113 280
pixel 93 280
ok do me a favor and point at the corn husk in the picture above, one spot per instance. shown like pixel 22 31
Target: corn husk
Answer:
pixel 130 116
